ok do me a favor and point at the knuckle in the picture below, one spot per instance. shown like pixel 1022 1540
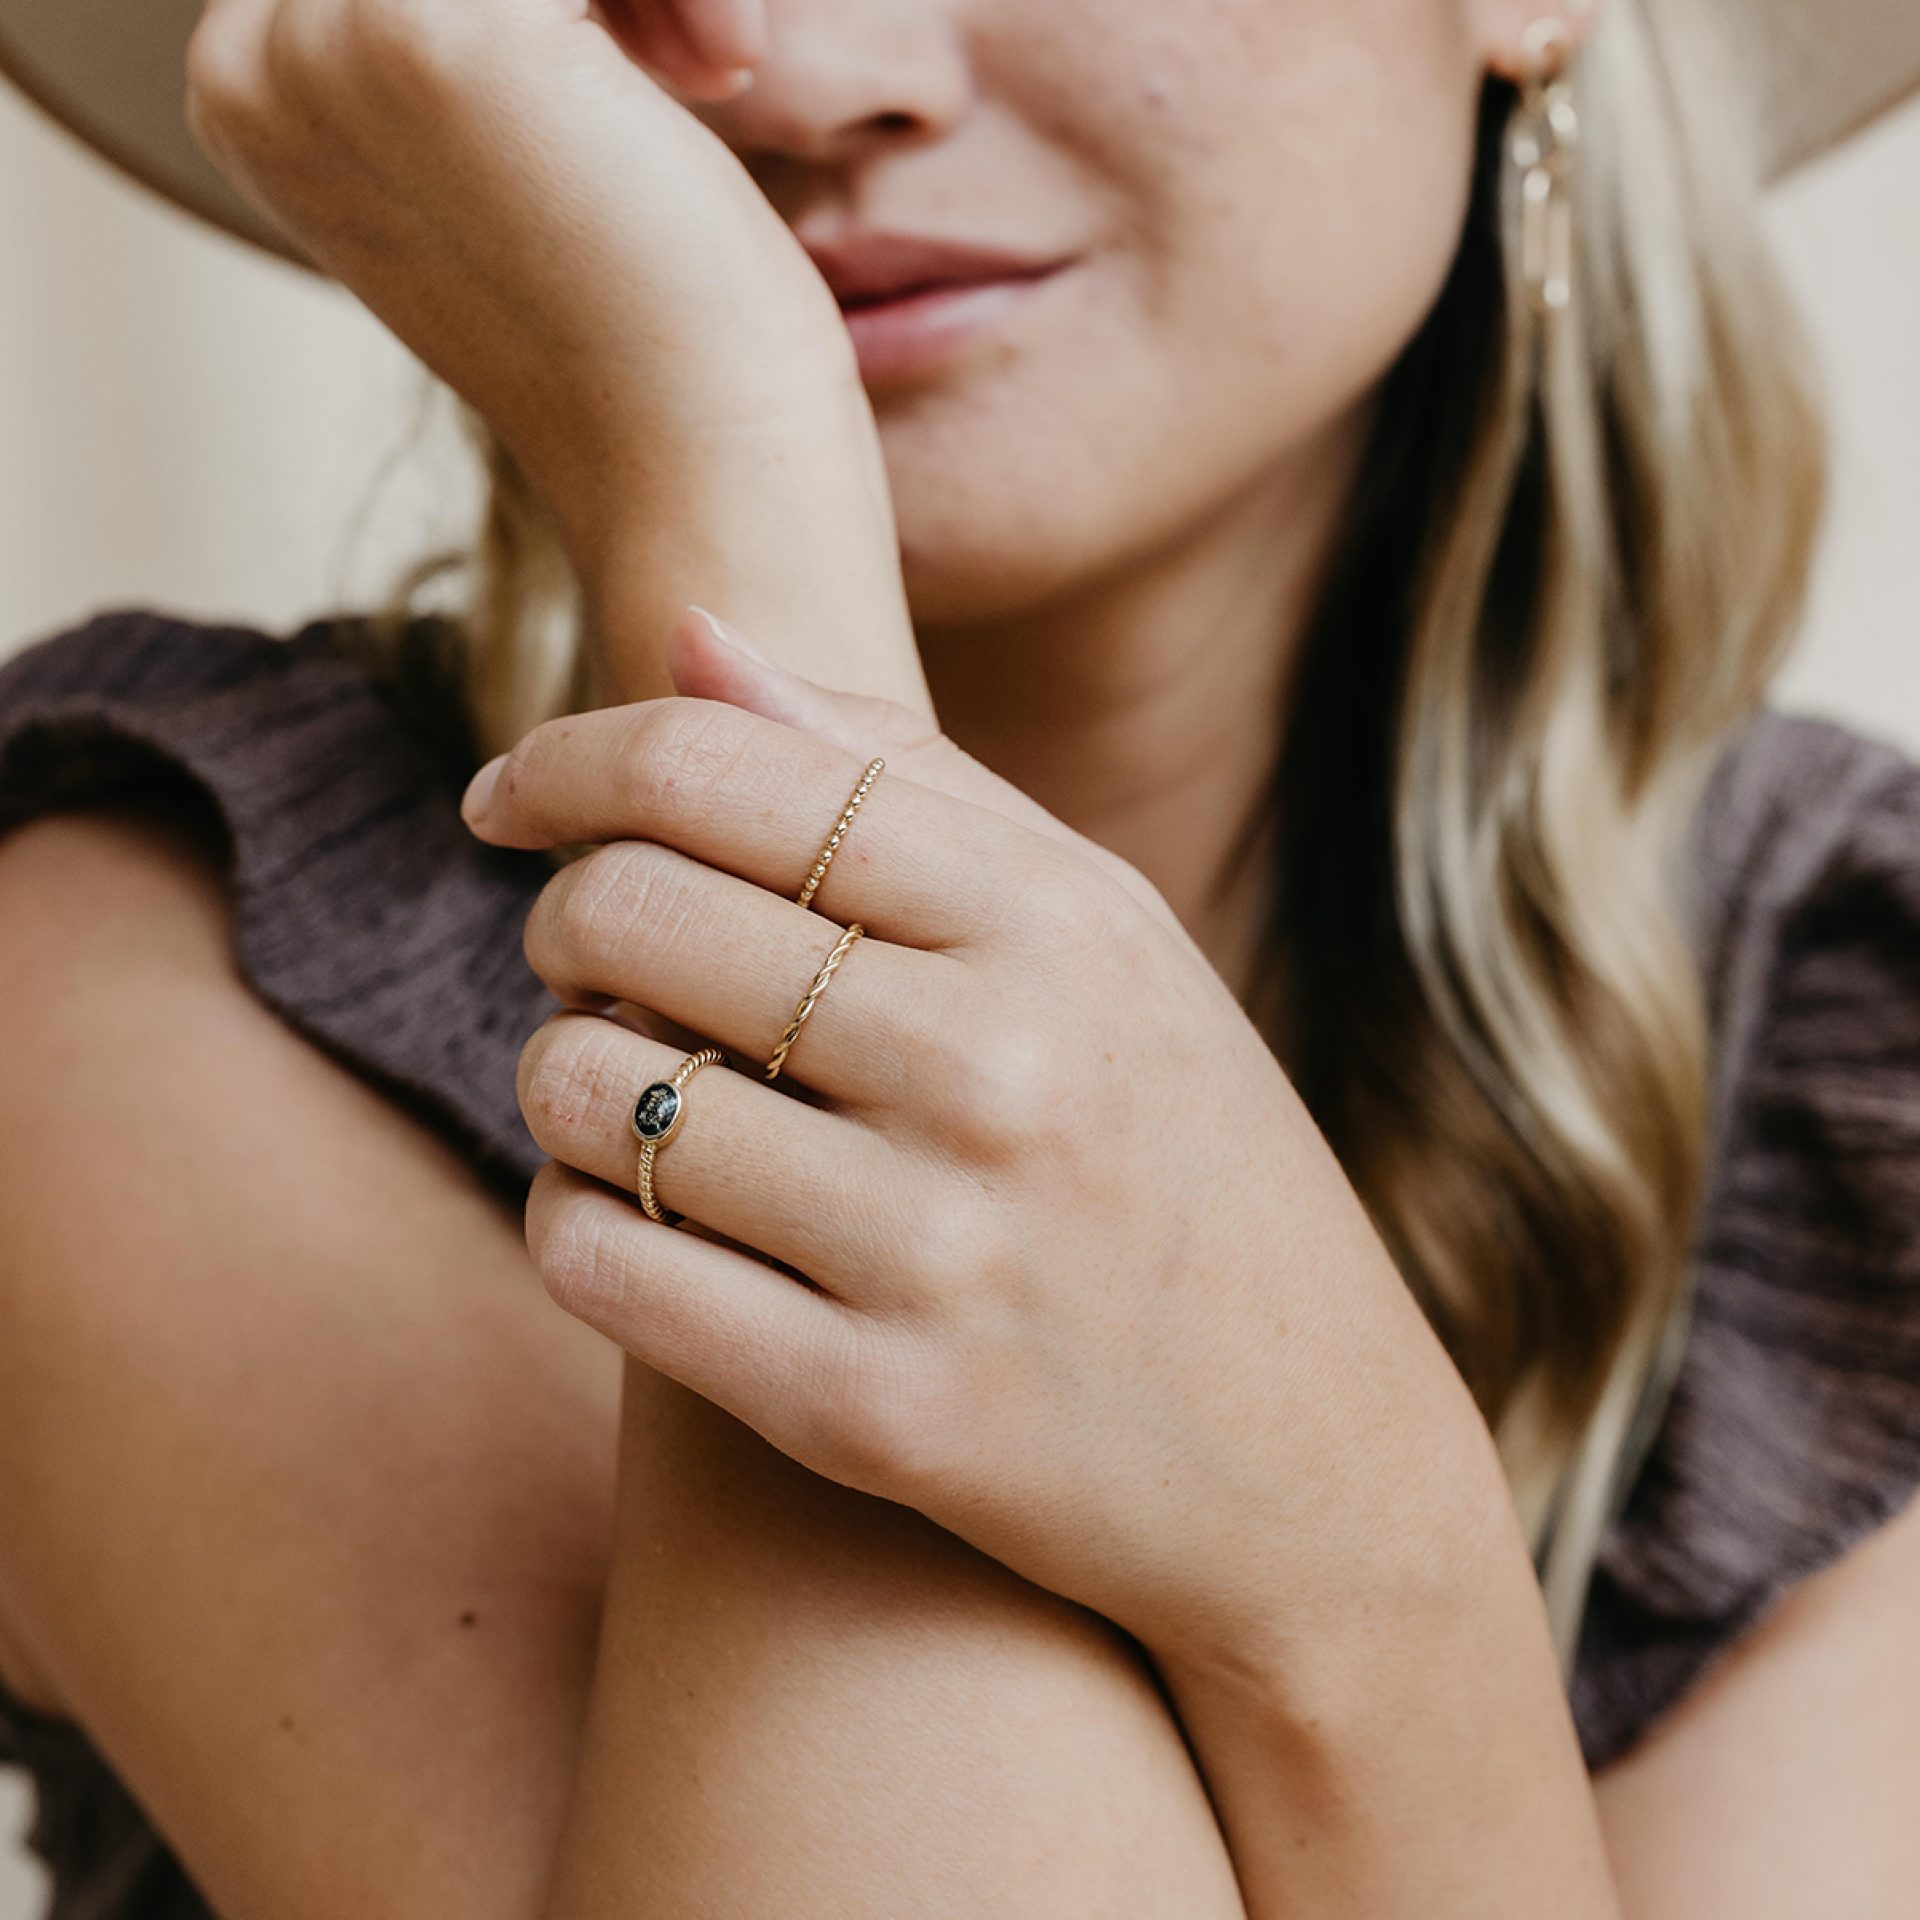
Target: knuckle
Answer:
pixel 584 1266
pixel 879 1428
pixel 1123 876
pixel 607 890
pixel 947 1241
pixel 588 910
pixel 1002 1089
pixel 563 1074
pixel 1062 903
pixel 414 38
pixel 223 82
pixel 677 749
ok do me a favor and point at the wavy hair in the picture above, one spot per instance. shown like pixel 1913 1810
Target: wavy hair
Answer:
pixel 1577 553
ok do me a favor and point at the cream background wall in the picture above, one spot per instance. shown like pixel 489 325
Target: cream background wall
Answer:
pixel 185 425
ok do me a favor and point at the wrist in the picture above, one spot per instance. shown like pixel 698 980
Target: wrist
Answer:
pixel 1411 1563
pixel 780 521
pixel 1407 1748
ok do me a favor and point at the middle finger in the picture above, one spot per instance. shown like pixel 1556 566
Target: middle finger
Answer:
pixel 730 961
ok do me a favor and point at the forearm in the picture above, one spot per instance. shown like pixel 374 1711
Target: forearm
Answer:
pixel 1418 1759
pixel 811 1703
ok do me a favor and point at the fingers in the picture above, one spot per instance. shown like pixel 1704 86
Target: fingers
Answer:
pixel 706 48
pixel 723 958
pixel 758 799
pixel 801 1183
pixel 706 658
pixel 730 33
pixel 226 57
pixel 791 1363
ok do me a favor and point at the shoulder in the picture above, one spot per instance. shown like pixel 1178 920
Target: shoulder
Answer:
pixel 276 731
pixel 1814 988
pixel 284 1408
pixel 1797 806
pixel 1793 1426
pixel 180 952
pixel 325 775
pixel 128 1037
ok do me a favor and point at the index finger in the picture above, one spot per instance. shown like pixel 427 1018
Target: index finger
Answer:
pixel 703 47
pixel 753 797
pixel 730 33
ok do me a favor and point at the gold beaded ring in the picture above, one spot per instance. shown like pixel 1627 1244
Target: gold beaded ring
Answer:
pixel 839 833
pixel 656 1116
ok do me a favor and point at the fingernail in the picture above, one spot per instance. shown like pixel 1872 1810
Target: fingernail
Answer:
pixel 473 803
pixel 731 636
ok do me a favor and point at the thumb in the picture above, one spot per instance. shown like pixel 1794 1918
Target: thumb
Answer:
pixel 713 660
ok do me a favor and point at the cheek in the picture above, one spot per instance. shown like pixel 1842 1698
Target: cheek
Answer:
pixel 1279 186
pixel 1315 240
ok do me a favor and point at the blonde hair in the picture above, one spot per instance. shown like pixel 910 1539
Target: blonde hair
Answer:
pixel 1575 558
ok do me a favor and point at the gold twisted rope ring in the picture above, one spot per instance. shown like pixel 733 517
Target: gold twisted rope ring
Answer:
pixel 813 993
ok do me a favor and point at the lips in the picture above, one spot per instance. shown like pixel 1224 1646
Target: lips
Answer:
pixel 917 306
pixel 870 269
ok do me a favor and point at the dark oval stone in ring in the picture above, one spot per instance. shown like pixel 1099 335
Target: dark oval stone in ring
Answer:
pixel 657 1108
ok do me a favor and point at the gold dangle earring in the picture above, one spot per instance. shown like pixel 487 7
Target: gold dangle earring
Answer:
pixel 1542 133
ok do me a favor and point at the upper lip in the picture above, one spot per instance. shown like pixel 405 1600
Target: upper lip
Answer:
pixel 879 266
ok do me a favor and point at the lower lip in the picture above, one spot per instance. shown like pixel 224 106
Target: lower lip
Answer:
pixel 922 331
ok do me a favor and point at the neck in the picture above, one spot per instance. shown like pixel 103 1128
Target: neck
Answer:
pixel 1145 711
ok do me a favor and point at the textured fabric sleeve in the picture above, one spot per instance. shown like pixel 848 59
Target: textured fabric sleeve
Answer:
pixel 1794 1425
pixel 364 912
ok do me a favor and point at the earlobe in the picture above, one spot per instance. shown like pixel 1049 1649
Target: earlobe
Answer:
pixel 1526 36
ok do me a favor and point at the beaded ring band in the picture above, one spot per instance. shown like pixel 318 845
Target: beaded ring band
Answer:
pixel 839 833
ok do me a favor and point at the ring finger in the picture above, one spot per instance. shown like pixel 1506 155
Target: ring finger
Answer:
pixel 798 1182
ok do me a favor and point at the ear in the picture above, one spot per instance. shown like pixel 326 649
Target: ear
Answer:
pixel 1515 33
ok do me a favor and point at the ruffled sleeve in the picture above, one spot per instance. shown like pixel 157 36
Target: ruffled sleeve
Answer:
pixel 364 912
pixel 1793 1427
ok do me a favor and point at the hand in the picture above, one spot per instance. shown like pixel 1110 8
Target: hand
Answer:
pixel 540 221
pixel 1063 1263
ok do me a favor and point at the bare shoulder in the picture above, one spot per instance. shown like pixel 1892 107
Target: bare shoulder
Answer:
pixel 64 877
pixel 300 1464
pixel 152 1100
pixel 73 886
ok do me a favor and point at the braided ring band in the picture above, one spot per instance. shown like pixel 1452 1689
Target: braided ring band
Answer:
pixel 656 1116
pixel 839 833
pixel 812 994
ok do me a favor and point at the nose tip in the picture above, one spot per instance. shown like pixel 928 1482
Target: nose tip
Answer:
pixel 826 94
